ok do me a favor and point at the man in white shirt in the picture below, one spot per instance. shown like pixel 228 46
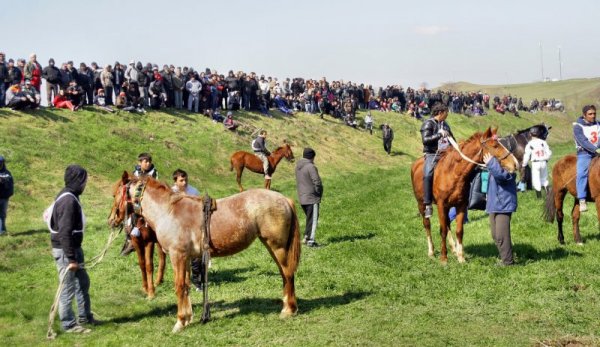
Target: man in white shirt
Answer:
pixel 538 151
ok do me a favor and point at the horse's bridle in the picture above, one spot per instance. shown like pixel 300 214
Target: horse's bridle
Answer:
pixel 495 138
pixel 136 201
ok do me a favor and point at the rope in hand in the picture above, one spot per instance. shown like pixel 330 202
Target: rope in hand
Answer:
pixel 51 334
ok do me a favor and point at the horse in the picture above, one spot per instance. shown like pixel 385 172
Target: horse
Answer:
pixel 564 176
pixel 516 143
pixel 241 159
pixel 451 181
pixel 178 221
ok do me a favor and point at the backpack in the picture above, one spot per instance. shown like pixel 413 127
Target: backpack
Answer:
pixel 478 190
pixel 47 215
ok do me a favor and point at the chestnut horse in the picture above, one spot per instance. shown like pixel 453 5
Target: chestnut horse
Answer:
pixel 178 221
pixel 144 246
pixel 241 159
pixel 451 181
pixel 563 181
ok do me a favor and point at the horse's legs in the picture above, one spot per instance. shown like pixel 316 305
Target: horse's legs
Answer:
pixel 238 171
pixel 443 218
pixel 184 309
pixel 576 214
pixel 149 253
pixel 161 265
pixel 560 215
pixel 460 217
pixel 279 254
pixel 267 184
pixel 140 251
pixel 427 226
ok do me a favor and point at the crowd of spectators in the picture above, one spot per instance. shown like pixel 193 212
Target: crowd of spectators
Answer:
pixel 137 86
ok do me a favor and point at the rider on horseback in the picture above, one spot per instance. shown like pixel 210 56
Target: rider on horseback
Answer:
pixel 144 168
pixel 434 133
pixel 586 131
pixel 259 146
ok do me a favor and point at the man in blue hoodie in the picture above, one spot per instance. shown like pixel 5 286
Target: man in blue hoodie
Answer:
pixel 585 131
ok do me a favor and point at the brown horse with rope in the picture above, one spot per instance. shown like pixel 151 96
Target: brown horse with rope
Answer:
pixel 452 177
pixel 241 159
pixel 564 176
pixel 181 224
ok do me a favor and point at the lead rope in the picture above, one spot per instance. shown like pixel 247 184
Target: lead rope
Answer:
pixel 455 145
pixel 207 207
pixel 51 334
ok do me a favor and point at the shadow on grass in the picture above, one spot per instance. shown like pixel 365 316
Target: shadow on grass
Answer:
pixel 247 306
pixel 183 114
pixel 352 238
pixel 29 232
pixel 525 252
pixel 39 113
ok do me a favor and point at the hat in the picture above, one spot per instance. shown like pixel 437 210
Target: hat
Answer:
pixel 70 62
pixel 11 60
pixel 51 61
pixel 308 153
pixel 132 62
pixel 229 113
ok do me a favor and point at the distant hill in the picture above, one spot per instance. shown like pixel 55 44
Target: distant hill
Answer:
pixel 573 93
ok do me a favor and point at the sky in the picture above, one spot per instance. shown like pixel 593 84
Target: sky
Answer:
pixel 377 42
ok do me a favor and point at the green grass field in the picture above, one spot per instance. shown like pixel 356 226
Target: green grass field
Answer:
pixel 371 284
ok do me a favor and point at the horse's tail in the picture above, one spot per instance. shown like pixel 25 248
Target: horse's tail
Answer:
pixel 293 245
pixel 550 210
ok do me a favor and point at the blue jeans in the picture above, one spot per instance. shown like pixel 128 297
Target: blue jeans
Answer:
pixel 76 284
pixel 3 208
pixel 583 168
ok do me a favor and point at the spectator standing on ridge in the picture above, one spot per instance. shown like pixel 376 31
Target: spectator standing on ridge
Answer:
pixel 585 132
pixel 388 137
pixel 107 81
pixel 194 87
pixel 3 78
pixel 33 72
pixel 6 191
pixel 52 76
pixel 310 191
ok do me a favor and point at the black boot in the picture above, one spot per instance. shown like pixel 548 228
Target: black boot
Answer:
pixel 127 247
pixel 538 194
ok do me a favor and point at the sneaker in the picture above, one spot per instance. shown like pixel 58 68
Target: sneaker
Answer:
pixel 313 245
pixel 92 321
pixel 127 248
pixel 428 211
pixel 582 205
pixel 78 329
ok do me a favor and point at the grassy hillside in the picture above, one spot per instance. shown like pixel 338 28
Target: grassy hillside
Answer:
pixel 371 284
pixel 573 93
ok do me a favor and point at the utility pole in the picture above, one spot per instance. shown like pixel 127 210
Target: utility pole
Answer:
pixel 542 60
pixel 559 65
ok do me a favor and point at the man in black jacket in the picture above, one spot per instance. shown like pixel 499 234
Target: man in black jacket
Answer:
pixel 52 76
pixel 67 224
pixel 3 78
pixel 434 134
pixel 6 191
pixel 388 137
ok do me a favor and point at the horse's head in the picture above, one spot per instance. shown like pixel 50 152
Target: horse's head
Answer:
pixel 490 144
pixel 287 152
pixel 120 202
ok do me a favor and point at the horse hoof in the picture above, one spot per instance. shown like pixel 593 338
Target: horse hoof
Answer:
pixel 177 328
pixel 461 260
pixel 150 297
pixel 444 262
pixel 287 314
pixel 580 243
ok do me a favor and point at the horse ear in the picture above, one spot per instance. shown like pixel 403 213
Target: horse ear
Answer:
pixel 488 133
pixel 494 131
pixel 125 177
pixel 285 142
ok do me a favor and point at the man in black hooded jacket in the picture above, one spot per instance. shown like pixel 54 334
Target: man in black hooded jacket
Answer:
pixel 67 225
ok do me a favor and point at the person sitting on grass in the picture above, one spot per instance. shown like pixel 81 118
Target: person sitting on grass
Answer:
pixel 229 123
pixel 16 99
pixel 75 94
pixel 32 94
pixel 100 101
pixel 61 101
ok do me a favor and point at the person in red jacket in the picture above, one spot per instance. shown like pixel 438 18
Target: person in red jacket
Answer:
pixel 61 101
